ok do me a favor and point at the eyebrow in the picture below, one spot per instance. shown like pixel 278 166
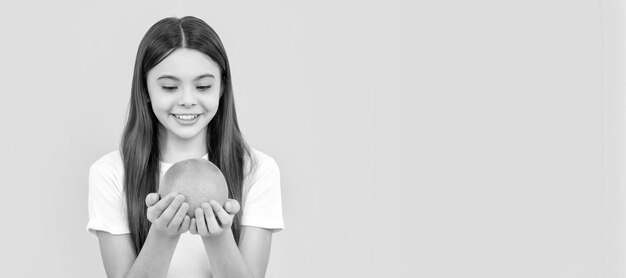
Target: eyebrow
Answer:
pixel 176 78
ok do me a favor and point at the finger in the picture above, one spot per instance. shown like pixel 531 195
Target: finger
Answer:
pixel 164 203
pixel 232 206
pixel 185 226
pixel 192 227
pixel 178 217
pixel 211 222
pixel 222 216
pixel 151 199
pixel 169 213
pixel 154 212
pixel 202 230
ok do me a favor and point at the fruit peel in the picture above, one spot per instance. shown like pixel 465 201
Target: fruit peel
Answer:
pixel 198 180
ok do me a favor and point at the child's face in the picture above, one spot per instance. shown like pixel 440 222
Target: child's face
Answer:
pixel 184 92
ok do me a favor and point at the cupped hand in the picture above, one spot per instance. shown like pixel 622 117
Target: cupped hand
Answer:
pixel 212 219
pixel 169 214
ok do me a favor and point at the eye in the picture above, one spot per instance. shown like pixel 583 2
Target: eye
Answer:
pixel 203 88
pixel 168 88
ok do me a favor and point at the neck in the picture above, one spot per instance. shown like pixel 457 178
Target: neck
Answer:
pixel 175 149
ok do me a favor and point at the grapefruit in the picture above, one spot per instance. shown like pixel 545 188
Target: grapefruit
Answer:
pixel 198 180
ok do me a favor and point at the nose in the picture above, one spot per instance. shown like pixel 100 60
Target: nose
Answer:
pixel 187 98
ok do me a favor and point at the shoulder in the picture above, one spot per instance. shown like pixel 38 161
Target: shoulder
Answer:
pixel 263 172
pixel 260 157
pixel 261 198
pixel 262 161
pixel 111 161
pixel 109 167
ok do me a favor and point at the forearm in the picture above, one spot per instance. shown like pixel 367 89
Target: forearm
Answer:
pixel 155 256
pixel 225 258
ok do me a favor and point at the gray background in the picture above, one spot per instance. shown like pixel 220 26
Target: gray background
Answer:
pixel 439 139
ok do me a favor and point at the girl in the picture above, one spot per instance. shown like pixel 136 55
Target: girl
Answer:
pixel 182 107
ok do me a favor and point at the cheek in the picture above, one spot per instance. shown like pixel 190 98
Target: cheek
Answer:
pixel 211 102
pixel 160 109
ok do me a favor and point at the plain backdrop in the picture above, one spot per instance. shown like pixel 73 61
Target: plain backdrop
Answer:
pixel 434 139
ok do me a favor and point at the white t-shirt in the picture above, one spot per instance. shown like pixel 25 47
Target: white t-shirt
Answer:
pixel 261 205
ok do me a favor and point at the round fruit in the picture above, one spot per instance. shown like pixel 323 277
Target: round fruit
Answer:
pixel 198 180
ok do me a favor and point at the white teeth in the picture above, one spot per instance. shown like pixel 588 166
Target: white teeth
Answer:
pixel 187 116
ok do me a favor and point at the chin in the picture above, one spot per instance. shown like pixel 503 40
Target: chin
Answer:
pixel 187 135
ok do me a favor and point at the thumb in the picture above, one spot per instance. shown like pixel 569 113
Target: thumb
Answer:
pixel 232 206
pixel 152 199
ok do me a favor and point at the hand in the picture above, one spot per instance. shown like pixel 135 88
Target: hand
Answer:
pixel 169 215
pixel 206 223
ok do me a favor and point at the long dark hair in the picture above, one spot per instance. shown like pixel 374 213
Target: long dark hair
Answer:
pixel 140 140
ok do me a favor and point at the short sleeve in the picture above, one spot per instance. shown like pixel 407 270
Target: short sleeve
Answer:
pixel 263 204
pixel 106 204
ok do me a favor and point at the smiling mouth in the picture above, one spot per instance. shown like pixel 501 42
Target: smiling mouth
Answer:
pixel 186 117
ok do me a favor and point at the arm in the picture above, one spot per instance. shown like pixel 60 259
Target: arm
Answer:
pixel 263 206
pixel 169 220
pixel 118 255
pixel 226 260
pixel 249 260
pixel 252 255
pixel 255 244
